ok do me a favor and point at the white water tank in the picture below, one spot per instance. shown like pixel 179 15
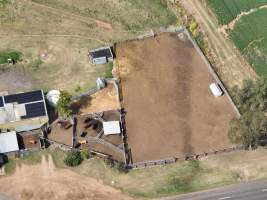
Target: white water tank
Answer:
pixel 53 97
pixel 216 90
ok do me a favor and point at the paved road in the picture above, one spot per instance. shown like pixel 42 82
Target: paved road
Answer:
pixel 256 190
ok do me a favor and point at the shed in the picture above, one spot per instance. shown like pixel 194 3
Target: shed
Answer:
pixel 111 127
pixel 216 90
pixel 101 55
pixel 8 142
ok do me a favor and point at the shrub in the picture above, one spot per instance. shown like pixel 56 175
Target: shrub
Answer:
pixel 63 105
pixel 85 154
pixel 120 167
pixel 74 158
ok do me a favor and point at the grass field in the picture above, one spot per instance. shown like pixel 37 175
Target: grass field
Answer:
pixel 54 38
pixel 208 172
pixel 250 36
pixel 248 32
pixel 227 10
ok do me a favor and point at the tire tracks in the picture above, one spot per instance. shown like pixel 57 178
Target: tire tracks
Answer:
pixel 230 65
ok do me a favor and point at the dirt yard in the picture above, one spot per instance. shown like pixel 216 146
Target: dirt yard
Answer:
pixel 103 100
pixel 44 182
pixel 170 110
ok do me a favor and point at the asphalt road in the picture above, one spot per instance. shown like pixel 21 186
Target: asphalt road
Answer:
pixel 256 190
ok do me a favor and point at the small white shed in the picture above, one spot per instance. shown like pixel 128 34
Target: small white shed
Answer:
pixel 112 127
pixel 216 90
pixel 8 142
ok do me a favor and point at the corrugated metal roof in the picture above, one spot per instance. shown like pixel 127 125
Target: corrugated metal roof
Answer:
pixel 8 142
pixel 112 127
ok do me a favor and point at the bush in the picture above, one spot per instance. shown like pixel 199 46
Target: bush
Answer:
pixel 85 154
pixel 120 167
pixel 14 56
pixel 74 158
pixel 63 105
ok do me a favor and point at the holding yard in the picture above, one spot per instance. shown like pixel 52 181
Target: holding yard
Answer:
pixel 169 108
pixel 246 25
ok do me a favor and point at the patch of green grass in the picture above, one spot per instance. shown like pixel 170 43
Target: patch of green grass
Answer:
pixel 249 35
pixel 161 180
pixel 109 67
pixel 10 167
pixel 14 55
pixel 3 2
pixel 227 10
pixel 58 157
pixel 36 64
pixel 31 158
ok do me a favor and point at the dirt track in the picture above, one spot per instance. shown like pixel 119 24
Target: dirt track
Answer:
pixel 170 110
pixel 44 182
pixel 230 65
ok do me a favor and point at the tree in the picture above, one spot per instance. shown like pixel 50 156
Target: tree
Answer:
pixel 63 105
pixel 74 158
pixel 249 129
pixel 251 100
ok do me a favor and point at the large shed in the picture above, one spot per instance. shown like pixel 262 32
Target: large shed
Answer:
pixel 23 111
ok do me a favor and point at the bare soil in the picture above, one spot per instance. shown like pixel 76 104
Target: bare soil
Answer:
pixel 170 109
pixel 44 182
pixel 103 100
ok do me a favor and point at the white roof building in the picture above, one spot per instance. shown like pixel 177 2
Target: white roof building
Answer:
pixel 112 127
pixel 8 142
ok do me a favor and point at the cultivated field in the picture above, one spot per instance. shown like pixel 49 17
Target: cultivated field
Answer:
pixel 229 10
pixel 170 110
pixel 54 38
pixel 245 23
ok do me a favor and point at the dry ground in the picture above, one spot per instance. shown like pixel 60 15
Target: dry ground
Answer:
pixel 103 100
pixel 229 64
pixel 44 182
pixel 170 110
pixel 55 36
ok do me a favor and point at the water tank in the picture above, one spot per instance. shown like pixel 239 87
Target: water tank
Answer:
pixel 216 90
pixel 53 97
pixel 100 83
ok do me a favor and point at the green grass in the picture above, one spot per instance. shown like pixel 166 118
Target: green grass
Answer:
pixel 10 167
pixel 29 158
pixel 131 14
pixel 250 36
pixel 109 67
pixel 14 55
pixel 227 10
pixel 159 181
pixel 3 2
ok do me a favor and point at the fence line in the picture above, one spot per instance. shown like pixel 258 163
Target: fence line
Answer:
pixel 174 159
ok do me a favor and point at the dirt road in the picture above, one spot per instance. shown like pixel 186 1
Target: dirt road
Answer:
pixel 45 182
pixel 229 64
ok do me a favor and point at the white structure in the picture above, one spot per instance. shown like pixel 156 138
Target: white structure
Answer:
pixel 216 90
pixel 53 97
pixel 8 142
pixel 112 127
